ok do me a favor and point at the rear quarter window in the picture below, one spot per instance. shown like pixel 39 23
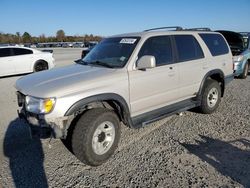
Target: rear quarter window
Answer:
pixel 215 43
pixel 21 51
pixel 5 52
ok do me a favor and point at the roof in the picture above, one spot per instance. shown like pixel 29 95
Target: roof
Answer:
pixel 160 32
pixel 16 47
pixel 34 50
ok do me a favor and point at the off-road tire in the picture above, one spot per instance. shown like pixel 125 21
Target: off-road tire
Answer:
pixel 209 86
pixel 84 131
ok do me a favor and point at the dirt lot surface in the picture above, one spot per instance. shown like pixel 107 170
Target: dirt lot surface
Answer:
pixel 192 150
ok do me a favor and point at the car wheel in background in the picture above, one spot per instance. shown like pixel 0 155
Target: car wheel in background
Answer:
pixel 40 66
pixel 245 72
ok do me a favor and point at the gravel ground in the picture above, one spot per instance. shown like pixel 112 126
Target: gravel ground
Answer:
pixel 192 150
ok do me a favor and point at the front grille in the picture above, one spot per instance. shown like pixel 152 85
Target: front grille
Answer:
pixel 20 99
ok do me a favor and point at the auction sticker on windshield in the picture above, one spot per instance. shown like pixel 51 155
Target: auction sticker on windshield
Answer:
pixel 128 41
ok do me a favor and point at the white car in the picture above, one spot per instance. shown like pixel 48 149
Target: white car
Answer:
pixel 19 60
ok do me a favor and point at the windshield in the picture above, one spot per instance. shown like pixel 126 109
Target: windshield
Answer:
pixel 112 52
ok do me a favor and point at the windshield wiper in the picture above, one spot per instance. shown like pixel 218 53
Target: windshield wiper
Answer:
pixel 80 61
pixel 101 64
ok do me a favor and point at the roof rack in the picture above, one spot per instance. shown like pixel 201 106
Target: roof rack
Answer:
pixel 177 28
pixel 199 29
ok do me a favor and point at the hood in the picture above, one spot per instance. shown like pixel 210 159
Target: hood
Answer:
pixel 235 41
pixel 58 82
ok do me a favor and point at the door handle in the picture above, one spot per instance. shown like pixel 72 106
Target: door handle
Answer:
pixel 172 72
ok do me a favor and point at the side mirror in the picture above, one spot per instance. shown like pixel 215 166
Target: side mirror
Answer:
pixel 146 62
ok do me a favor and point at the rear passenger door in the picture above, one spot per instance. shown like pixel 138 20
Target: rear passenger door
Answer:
pixel 153 88
pixel 6 62
pixel 23 60
pixel 191 60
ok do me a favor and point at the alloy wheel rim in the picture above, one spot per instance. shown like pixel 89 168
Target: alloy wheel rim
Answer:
pixel 41 67
pixel 212 97
pixel 103 138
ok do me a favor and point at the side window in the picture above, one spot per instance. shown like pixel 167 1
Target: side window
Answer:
pixel 5 52
pixel 159 47
pixel 187 48
pixel 215 43
pixel 21 51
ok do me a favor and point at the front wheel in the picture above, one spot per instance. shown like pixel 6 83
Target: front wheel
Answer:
pixel 96 136
pixel 245 72
pixel 211 97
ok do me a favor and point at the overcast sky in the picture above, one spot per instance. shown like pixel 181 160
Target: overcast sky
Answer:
pixel 108 17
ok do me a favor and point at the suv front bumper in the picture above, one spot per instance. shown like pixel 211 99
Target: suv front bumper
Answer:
pixel 37 127
pixel 40 125
pixel 42 128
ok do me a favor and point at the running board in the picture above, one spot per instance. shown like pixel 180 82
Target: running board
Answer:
pixel 155 115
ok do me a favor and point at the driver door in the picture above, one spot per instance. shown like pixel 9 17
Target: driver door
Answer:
pixel 157 87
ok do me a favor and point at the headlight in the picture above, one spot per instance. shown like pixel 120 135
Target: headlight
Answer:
pixel 39 106
pixel 238 58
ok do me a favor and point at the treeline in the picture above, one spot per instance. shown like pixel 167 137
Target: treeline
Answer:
pixel 59 37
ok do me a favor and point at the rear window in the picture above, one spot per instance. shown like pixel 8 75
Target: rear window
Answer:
pixel 21 51
pixel 188 48
pixel 5 52
pixel 215 43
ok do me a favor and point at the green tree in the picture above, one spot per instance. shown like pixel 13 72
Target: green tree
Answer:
pixel 42 38
pixel 18 36
pixel 60 35
pixel 26 37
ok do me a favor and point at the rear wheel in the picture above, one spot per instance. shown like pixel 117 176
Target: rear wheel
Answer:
pixel 245 72
pixel 96 136
pixel 40 66
pixel 211 97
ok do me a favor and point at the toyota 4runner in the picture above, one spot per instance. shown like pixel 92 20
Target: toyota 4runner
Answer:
pixel 133 79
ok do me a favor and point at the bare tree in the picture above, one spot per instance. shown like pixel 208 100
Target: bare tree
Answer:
pixel 42 38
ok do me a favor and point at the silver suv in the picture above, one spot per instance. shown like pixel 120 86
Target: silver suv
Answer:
pixel 134 78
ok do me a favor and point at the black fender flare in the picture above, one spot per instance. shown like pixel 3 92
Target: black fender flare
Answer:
pixel 103 97
pixel 210 74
